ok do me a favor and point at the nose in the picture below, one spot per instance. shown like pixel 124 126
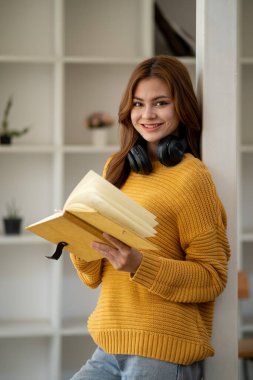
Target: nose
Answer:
pixel 148 112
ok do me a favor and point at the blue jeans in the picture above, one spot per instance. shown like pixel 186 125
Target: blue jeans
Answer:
pixel 103 366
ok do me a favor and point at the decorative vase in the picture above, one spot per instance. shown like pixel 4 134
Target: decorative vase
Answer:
pixel 12 226
pixel 99 137
pixel 5 139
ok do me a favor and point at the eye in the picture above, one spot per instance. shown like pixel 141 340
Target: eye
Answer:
pixel 137 103
pixel 161 103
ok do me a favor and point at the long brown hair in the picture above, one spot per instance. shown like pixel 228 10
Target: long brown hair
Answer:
pixel 176 76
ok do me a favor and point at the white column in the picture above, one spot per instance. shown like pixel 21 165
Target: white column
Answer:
pixel 217 90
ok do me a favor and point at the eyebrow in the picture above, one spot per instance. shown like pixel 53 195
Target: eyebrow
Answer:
pixel 156 98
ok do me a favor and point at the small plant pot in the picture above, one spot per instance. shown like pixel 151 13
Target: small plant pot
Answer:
pixel 5 139
pixel 12 226
pixel 99 137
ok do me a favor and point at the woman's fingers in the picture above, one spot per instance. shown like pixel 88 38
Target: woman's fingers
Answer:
pixel 116 242
pixel 104 249
pixel 121 256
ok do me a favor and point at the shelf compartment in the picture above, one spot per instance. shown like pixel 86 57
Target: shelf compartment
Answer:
pixel 26 282
pixel 25 358
pixel 93 89
pixel 116 21
pixel 82 347
pixel 28 181
pixel 27 27
pixel 183 14
pixel 32 89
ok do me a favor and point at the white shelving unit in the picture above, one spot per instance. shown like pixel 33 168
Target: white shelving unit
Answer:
pixel 245 156
pixel 61 60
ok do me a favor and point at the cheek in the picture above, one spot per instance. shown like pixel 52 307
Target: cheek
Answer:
pixel 172 116
pixel 134 116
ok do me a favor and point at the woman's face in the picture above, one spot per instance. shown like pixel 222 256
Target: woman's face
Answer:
pixel 153 113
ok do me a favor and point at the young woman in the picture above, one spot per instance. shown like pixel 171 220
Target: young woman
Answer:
pixel 154 315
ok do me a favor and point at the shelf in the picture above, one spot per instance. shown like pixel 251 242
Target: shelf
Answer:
pixel 26 328
pixel 27 59
pixel 246 148
pixel 22 239
pixel 246 328
pixel 117 60
pixel 103 60
pixel 90 149
pixel 246 324
pixel 90 60
pixel 56 148
pixel 73 326
pixel 246 237
pixel 246 61
pixel 7 149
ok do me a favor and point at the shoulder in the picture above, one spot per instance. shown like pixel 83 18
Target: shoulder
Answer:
pixel 193 165
pixel 192 173
pixel 196 186
pixel 198 192
pixel 106 165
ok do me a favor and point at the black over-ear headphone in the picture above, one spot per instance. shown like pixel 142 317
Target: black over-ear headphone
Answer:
pixel 170 151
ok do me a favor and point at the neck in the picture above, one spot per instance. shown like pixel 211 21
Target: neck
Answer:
pixel 151 148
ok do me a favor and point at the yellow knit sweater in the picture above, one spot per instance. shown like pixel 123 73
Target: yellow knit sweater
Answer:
pixel 165 310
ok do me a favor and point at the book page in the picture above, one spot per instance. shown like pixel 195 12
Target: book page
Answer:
pixel 99 194
pixel 105 209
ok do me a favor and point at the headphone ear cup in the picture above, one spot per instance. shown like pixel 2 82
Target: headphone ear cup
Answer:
pixel 170 150
pixel 139 161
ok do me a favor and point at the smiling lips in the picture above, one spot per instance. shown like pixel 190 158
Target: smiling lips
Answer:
pixel 151 127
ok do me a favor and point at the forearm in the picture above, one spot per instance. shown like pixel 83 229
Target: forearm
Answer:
pixel 201 277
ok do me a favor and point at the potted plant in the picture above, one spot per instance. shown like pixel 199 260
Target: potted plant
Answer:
pixel 98 123
pixel 5 133
pixel 12 221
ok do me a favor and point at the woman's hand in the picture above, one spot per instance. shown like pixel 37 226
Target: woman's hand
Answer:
pixel 121 256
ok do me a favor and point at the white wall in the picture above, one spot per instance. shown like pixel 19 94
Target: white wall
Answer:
pixel 217 88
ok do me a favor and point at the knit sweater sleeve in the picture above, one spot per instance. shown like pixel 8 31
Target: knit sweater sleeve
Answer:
pixel 90 273
pixel 202 273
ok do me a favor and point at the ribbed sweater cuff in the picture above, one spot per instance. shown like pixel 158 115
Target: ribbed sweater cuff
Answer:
pixel 147 271
pixel 84 266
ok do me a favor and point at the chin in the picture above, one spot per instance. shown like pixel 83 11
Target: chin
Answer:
pixel 152 139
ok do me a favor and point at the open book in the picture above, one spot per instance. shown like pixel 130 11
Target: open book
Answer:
pixel 93 207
